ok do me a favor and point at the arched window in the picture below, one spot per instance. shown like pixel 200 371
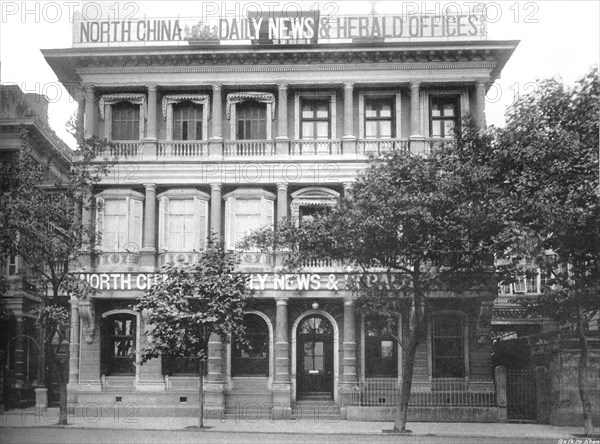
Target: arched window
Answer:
pixel 250 357
pixel 119 344
pixel 448 346
pixel 381 349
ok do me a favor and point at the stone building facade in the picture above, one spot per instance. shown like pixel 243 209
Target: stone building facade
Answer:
pixel 227 138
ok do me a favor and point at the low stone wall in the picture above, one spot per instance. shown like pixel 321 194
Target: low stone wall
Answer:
pixel 426 414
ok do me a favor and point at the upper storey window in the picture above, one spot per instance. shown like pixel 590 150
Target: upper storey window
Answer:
pixel 187 121
pixel 251 120
pixel 124 116
pixel 119 218
pixel 125 121
pixel 316 119
pixel 246 210
pixel 444 116
pixel 183 221
pixel 379 118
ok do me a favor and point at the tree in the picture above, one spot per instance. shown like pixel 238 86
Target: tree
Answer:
pixel 429 218
pixel 40 224
pixel 546 159
pixel 191 303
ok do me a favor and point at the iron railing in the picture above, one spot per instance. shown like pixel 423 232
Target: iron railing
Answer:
pixel 446 392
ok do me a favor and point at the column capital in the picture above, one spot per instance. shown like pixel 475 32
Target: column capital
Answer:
pixel 348 185
pixel 414 86
pixel 216 87
pixel 150 186
pixel 481 83
pixel 282 86
pixel 282 186
pixel 88 87
pixel 349 85
pixel 281 300
pixel 152 87
pixel 216 186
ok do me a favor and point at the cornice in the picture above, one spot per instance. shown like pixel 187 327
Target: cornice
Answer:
pixel 286 68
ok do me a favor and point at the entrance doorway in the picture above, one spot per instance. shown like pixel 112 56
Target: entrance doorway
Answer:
pixel 314 358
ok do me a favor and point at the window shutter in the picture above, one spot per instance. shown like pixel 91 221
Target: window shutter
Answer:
pixel 199 224
pixel 135 217
pixel 267 212
pixel 99 221
pixel 163 224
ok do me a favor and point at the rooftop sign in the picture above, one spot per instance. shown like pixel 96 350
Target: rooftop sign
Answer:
pixel 280 28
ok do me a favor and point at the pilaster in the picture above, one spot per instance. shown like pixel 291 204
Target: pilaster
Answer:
pixel 148 256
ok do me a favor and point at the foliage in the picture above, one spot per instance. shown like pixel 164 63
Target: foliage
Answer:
pixel 40 220
pixel 432 219
pixel 193 301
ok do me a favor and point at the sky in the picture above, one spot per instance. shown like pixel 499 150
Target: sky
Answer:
pixel 557 38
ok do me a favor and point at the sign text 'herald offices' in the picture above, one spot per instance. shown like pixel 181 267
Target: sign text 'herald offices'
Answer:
pixel 281 29
pixel 258 281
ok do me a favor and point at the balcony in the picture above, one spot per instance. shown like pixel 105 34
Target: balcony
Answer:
pixel 248 148
pixel 191 150
pixel 183 149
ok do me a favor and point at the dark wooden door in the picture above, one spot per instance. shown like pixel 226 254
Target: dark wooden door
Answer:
pixel 314 366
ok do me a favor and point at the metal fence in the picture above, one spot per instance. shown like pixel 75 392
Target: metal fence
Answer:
pixel 447 392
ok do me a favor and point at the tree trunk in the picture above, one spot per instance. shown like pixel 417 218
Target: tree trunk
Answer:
pixel 63 413
pixel 582 376
pixel 408 365
pixel 201 395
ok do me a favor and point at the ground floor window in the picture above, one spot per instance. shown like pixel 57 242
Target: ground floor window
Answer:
pixel 381 349
pixel 448 350
pixel 180 366
pixel 119 344
pixel 250 355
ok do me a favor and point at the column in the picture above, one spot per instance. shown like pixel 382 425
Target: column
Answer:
pixel 282 388
pixel 150 217
pixel 80 98
pixel 150 377
pixel 152 92
pixel 282 117
pixel 74 344
pixel 215 209
pixel 415 110
pixel 90 112
pixel 348 110
pixel 480 104
pixel 216 112
pixel 348 377
pixel 348 190
pixel 215 144
pixel 282 142
pixel 148 250
pixel 86 228
pixel 214 387
pixel 282 201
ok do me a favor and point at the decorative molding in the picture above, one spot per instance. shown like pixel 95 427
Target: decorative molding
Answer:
pixel 111 99
pixel 198 99
pixel 235 98
pixel 87 316
pixel 312 196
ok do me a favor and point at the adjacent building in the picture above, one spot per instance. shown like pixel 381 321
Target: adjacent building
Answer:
pixel 224 132
pixel 19 350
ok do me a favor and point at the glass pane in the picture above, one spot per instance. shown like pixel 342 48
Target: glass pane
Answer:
pixel 322 111
pixel 308 130
pixel 319 363
pixel 386 110
pixel 435 109
pixel 436 128
pixel 322 130
pixel 385 129
pixel 448 110
pixel 307 111
pixel 387 349
pixel 371 129
pixel 449 128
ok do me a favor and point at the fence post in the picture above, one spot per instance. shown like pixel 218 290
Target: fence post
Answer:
pixel 541 394
pixel 500 377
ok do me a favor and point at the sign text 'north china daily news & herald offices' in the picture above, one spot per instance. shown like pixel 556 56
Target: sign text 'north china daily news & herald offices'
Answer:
pixel 278 28
pixel 258 281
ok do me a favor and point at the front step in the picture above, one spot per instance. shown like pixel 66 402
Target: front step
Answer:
pixel 317 410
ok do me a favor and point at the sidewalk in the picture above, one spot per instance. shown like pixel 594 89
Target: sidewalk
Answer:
pixel 124 420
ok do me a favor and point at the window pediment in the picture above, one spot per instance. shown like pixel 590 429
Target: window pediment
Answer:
pixel 261 97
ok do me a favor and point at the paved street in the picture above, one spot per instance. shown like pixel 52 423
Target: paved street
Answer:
pixel 66 436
